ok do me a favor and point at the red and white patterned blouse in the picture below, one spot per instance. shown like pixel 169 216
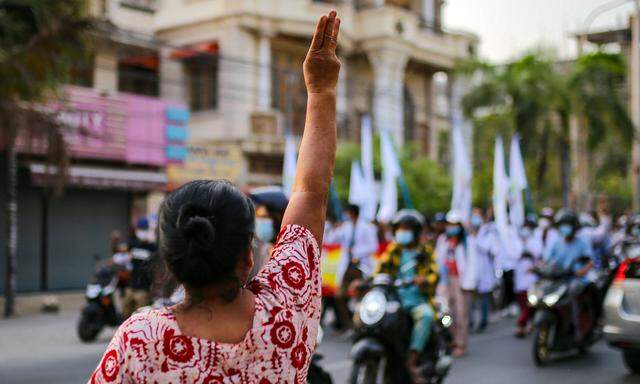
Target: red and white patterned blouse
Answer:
pixel 149 348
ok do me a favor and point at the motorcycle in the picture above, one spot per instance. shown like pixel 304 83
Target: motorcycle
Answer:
pixel 99 310
pixel 382 335
pixel 553 299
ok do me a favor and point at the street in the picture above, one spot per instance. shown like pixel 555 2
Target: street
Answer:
pixel 45 349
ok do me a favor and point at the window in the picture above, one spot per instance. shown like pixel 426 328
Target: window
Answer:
pixel 288 93
pixel 138 78
pixel 202 73
pixel 265 164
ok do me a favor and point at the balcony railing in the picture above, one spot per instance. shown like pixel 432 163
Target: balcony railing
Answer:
pixel 141 5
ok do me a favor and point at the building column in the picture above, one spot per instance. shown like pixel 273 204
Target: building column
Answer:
pixel 105 71
pixel 388 83
pixel 172 77
pixel 264 72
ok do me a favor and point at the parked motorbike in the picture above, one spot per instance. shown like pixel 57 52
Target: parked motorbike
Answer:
pixel 552 299
pixel 383 331
pixel 99 310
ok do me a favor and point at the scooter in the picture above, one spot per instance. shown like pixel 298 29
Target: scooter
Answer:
pixel 555 328
pixel 382 335
pixel 99 310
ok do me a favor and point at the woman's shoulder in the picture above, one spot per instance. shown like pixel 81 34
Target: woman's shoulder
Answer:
pixel 145 324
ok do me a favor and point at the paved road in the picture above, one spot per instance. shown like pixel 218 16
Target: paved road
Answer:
pixel 45 349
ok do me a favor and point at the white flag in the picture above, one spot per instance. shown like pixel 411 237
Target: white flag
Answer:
pixel 500 190
pixel 290 163
pixel 461 199
pixel 370 201
pixel 518 183
pixel 390 173
pixel 357 188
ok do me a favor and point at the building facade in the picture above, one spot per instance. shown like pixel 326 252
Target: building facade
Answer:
pixel 237 64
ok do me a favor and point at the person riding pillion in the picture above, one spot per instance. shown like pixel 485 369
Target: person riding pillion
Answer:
pixel 408 260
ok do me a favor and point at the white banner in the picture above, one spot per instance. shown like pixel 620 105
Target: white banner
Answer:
pixel 500 190
pixel 370 201
pixel 518 183
pixel 390 173
pixel 290 163
pixel 461 198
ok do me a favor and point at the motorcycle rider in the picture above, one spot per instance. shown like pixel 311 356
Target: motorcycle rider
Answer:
pixel 408 260
pixel 567 253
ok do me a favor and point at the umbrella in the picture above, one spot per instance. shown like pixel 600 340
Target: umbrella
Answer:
pixel 272 197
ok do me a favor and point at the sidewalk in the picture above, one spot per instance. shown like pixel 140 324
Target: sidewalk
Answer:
pixel 33 303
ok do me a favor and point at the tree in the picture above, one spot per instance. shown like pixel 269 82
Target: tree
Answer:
pixel 428 182
pixel 537 98
pixel 39 42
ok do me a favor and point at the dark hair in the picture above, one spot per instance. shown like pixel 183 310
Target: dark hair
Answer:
pixel 353 209
pixel 204 228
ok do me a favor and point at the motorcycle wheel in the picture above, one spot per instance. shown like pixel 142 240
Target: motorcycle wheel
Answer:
pixel 89 326
pixel 364 373
pixel 540 345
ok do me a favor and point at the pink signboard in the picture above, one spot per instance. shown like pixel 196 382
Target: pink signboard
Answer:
pixel 122 127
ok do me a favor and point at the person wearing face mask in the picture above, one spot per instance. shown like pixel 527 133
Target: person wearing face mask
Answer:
pixel 471 277
pixel 408 260
pixel 359 240
pixel 142 248
pixel 545 234
pixel 567 253
pixel 524 276
pixel 265 235
pixel 486 241
pixel 453 258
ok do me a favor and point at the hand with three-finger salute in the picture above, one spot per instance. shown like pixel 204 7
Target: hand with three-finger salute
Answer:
pixel 321 66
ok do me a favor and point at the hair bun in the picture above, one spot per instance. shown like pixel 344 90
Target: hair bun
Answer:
pixel 197 226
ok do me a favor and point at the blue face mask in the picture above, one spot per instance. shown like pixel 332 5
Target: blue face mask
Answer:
pixel 453 231
pixel 404 237
pixel 264 229
pixel 565 230
pixel 476 221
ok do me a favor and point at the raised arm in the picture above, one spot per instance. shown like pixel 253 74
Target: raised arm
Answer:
pixel 308 202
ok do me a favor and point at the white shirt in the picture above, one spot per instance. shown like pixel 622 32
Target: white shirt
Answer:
pixel 364 242
pixel 510 249
pixel 545 242
pixel 486 247
pixel 524 278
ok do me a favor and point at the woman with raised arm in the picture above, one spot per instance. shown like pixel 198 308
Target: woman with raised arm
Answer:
pixel 228 329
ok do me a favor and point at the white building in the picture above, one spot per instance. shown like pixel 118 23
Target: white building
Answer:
pixel 238 64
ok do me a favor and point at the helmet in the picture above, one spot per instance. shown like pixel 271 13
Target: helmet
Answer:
pixel 409 217
pixel 440 217
pixel 454 217
pixel 531 220
pixel 567 217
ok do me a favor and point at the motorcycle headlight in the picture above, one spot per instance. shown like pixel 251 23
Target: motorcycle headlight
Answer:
pixel 553 297
pixel 447 321
pixel 372 307
pixel 93 290
pixel 532 298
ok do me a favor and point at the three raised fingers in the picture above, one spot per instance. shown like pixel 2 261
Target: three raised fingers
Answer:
pixel 318 36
